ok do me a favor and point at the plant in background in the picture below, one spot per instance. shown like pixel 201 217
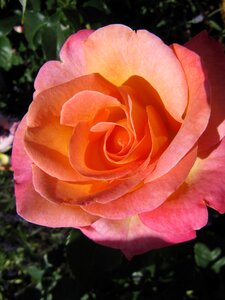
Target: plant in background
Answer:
pixel 7 130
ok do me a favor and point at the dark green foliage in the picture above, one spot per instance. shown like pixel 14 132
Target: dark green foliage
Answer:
pixel 62 264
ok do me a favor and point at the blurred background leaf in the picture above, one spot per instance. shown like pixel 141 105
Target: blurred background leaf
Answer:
pixel 5 53
pixel 24 6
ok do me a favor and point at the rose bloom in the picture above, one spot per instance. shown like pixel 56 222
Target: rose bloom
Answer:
pixel 124 139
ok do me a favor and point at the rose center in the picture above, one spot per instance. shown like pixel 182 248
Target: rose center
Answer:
pixel 117 140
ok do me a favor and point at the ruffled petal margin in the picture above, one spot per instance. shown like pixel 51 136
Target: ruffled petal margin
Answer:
pixel 131 236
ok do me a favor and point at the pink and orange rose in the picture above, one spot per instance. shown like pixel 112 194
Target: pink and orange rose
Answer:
pixel 124 139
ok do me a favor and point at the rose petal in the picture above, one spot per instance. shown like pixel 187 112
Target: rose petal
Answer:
pixel 71 193
pixel 136 114
pixel 83 106
pixel 158 131
pixel 59 191
pixel 208 177
pixel 197 115
pixel 51 74
pixel 50 102
pixel 128 55
pixel 184 211
pixel 147 196
pixel 144 95
pixel 212 55
pixel 131 236
pixel 87 157
pixel 52 134
pixel 46 141
pixel 29 204
pixel 54 73
pixel 135 151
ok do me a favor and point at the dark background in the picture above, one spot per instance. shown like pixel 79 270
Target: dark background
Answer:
pixel 61 264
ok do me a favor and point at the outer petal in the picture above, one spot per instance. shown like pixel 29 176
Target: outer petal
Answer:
pixel 29 204
pixel 72 53
pixel 117 53
pixel 197 115
pixel 212 55
pixel 58 191
pixel 208 177
pixel 186 209
pixel 64 192
pixel 131 236
pixel 73 63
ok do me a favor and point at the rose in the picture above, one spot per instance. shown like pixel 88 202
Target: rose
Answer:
pixel 124 139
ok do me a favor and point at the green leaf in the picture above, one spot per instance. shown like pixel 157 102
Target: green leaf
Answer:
pixel 63 32
pixel 33 23
pixel 35 4
pixel 218 265
pixel 7 24
pixel 49 41
pixel 202 255
pixel 214 25
pixel 215 253
pixel 35 273
pixel 16 59
pixel 73 18
pixel 97 4
pixel 5 53
pixel 73 236
pixel 2 3
pixel 24 5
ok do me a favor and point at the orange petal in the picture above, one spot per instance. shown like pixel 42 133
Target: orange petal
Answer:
pixel 51 134
pixel 46 141
pixel 84 105
pixel 136 113
pixel 129 55
pixel 52 162
pixel 147 196
pixel 29 204
pixel 197 115
pixel 143 95
pixel 87 157
pixel 158 131
pixel 139 151
pixel 59 191
pixel 50 102
pixel 69 193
